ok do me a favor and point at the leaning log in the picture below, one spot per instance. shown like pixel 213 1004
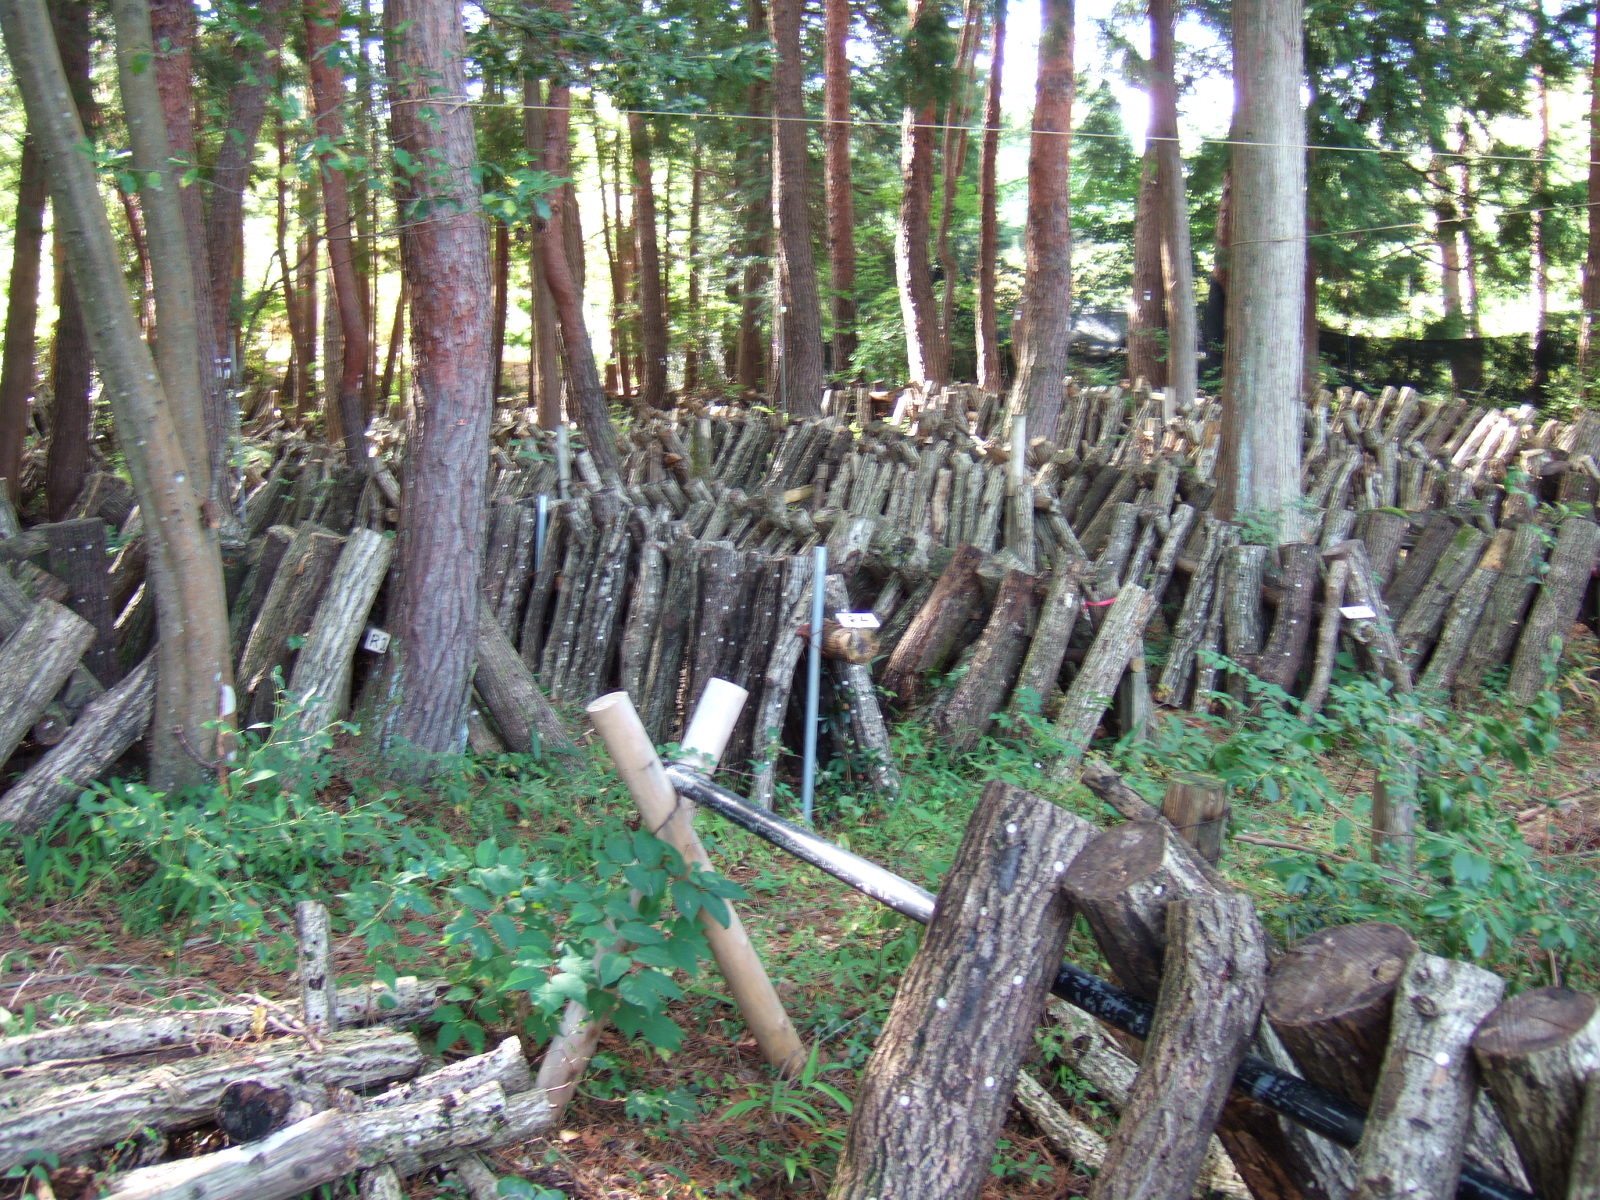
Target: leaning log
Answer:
pixel 871 733
pixel 524 717
pixel 1119 639
pixel 968 712
pixel 321 679
pixel 939 1083
pixel 935 632
pixel 34 662
pixel 77 556
pixel 1572 563
pixel 1535 1052
pixel 1416 1132
pixel 286 612
pixel 102 734
pixel 1210 996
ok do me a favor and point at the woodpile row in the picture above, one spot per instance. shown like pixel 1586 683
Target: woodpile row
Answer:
pixel 1440 541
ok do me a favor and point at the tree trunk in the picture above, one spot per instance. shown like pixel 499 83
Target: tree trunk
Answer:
pixel 1039 390
pixel 173 26
pixel 693 358
pixel 544 367
pixel 19 374
pixel 230 174
pixel 989 379
pixel 194 675
pixel 1258 469
pixel 926 356
pixel 586 397
pixel 1589 295
pixel 178 342
pixel 427 675
pixel 1147 315
pixel 798 322
pixel 953 155
pixel 1177 263
pixel 349 288
pixel 840 196
pixel 67 459
pixel 647 249
pixel 1540 280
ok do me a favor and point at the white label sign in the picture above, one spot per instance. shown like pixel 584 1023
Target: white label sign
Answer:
pixel 1357 612
pixel 860 620
pixel 376 640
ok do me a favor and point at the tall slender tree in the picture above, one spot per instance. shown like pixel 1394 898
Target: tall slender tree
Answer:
pixel 323 19
pixel 988 214
pixel 841 201
pixel 1177 264
pixel 19 374
pixel 798 342
pixel 647 256
pixel 926 353
pixel 1258 470
pixel 1039 390
pixel 1589 298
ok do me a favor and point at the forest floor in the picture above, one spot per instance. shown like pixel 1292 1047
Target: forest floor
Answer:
pixel 708 1119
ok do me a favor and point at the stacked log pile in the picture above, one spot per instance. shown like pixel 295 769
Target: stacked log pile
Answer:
pixel 1032 573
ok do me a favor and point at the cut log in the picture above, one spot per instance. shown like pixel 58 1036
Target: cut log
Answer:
pixel 321 679
pixel 939 1082
pixel 1583 1180
pixel 330 1145
pixel 77 556
pixel 668 652
pixel 35 662
pixel 1196 806
pixel 644 617
pixel 1572 563
pixel 1462 617
pixel 410 999
pixel 1438 531
pixel 1535 1052
pixel 1375 634
pixel 854 681
pixel 1190 630
pixel 286 613
pixel 1119 639
pixel 1280 659
pixel 1333 589
pixel 1503 613
pixel 1416 1132
pixel 968 712
pixel 105 1108
pixel 1330 998
pixel 1210 996
pixel 524 717
pixel 1037 681
pixel 1243 632
pixel 101 735
pixel 778 680
pixel 935 632
pixel 1414 629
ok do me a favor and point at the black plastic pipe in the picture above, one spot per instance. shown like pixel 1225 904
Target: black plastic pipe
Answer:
pixel 1302 1102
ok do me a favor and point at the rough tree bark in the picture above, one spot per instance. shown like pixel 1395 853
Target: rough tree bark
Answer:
pixel 797 360
pixel 349 289
pixel 647 248
pixel 840 198
pixel 926 352
pixel 194 675
pixel 1258 470
pixel 1047 287
pixel 586 397
pixel 988 222
pixel 427 676
pixel 19 373
pixel 1589 296
pixel 1177 266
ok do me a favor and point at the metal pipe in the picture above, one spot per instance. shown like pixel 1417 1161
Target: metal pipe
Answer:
pixel 1302 1102
pixel 808 770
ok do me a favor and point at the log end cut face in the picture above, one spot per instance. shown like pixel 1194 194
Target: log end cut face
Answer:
pixel 1337 972
pixel 1534 1021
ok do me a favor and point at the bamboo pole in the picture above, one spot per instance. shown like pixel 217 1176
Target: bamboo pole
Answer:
pixel 618 724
